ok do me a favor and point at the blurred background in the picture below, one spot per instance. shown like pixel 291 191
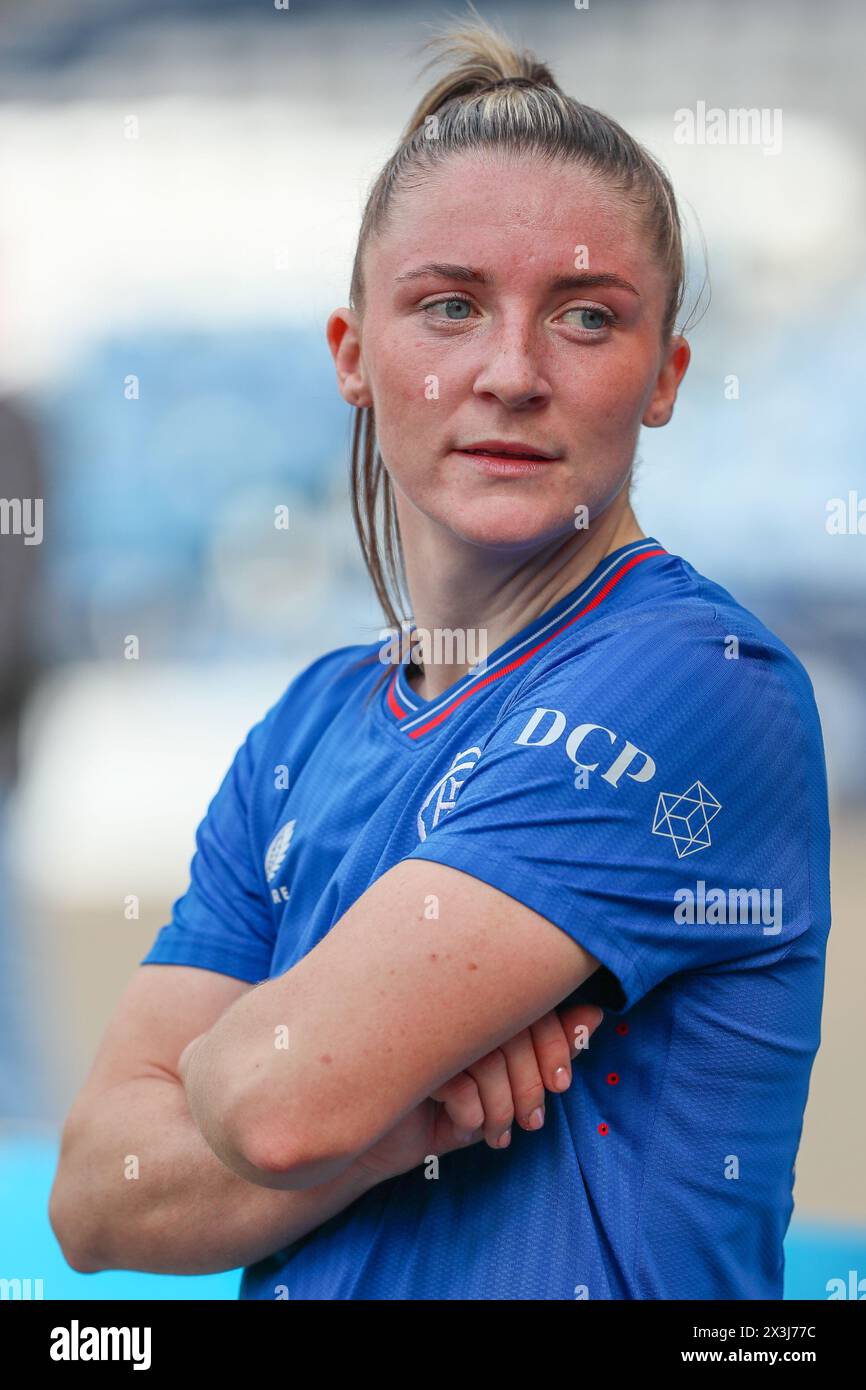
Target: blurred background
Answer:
pixel 183 184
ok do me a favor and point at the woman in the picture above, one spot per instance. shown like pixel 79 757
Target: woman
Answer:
pixel 421 862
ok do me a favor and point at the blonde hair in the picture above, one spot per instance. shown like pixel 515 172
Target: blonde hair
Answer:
pixel 496 98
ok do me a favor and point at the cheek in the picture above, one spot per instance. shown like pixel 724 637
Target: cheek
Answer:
pixel 609 396
pixel 399 372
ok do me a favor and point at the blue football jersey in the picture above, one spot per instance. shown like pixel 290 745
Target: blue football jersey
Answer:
pixel 643 766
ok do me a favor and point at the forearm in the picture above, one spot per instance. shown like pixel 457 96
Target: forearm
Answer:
pixel 139 1188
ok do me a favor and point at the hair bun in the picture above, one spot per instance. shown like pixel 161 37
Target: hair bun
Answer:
pixel 483 60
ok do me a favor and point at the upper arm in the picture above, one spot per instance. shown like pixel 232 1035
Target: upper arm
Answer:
pixel 162 1008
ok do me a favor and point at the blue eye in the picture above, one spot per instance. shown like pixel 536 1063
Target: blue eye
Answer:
pixel 603 319
pixel 455 318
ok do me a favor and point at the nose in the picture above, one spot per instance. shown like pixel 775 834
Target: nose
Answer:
pixel 510 369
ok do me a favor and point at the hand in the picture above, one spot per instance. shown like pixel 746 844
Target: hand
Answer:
pixel 484 1100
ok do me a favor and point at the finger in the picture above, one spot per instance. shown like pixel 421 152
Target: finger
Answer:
pixel 468 1109
pixel 462 1103
pixel 525 1078
pixel 579 1022
pixel 553 1054
pixel 447 1136
pixel 490 1074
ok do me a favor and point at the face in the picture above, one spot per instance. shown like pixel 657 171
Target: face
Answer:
pixel 549 336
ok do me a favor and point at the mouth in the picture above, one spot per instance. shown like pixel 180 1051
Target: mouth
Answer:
pixel 507 460
pixel 502 449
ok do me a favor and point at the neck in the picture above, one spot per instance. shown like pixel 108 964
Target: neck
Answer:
pixel 486 597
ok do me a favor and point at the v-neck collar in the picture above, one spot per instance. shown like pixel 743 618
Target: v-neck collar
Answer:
pixel 418 718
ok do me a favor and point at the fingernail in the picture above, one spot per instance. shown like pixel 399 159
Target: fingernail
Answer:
pixel 465 1137
pixel 561 1078
pixel 504 1139
pixel 536 1119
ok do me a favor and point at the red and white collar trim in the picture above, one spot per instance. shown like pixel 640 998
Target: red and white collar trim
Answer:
pixel 517 653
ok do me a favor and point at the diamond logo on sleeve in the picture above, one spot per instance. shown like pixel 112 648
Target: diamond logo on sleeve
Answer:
pixel 685 818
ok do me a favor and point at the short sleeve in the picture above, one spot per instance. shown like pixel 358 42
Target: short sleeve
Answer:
pixel 223 921
pixel 647 793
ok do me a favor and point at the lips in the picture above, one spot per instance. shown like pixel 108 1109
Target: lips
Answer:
pixel 509 449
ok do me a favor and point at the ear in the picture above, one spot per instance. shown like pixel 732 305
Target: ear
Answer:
pixel 660 406
pixel 343 334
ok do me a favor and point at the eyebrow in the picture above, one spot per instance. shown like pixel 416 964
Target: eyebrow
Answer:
pixel 585 279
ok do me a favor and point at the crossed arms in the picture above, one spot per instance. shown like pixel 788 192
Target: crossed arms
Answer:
pixel 309 1070
pixel 394 1021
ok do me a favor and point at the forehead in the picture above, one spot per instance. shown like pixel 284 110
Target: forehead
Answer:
pixel 513 211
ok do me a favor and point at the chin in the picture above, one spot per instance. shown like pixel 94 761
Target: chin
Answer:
pixel 504 525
